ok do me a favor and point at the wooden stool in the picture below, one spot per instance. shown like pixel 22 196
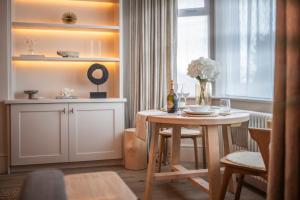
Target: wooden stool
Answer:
pixel 135 151
pixel 185 134
pixel 97 185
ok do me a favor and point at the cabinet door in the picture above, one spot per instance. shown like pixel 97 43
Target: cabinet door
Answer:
pixel 39 133
pixel 95 131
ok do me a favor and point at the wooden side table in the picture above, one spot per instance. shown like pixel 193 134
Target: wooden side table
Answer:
pixel 177 171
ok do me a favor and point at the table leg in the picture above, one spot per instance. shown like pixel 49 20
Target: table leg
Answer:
pixel 213 158
pixel 151 162
pixel 176 139
pixel 228 148
pixel 204 147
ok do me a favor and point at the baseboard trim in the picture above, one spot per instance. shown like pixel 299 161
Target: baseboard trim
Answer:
pixel 86 164
pixel 3 164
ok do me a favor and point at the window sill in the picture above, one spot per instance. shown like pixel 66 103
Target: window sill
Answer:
pixel 258 105
pixel 248 100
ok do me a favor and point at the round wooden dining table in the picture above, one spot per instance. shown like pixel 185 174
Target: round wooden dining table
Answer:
pixel 210 127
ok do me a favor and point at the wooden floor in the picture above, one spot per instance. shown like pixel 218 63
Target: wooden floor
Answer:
pixel 10 186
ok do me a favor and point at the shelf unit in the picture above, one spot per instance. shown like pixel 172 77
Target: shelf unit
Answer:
pixel 97 36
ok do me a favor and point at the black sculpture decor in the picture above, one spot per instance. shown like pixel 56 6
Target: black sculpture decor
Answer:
pixel 97 81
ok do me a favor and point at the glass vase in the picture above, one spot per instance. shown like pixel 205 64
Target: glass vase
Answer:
pixel 203 93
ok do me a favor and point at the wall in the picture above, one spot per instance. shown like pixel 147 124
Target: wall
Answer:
pixel 3 81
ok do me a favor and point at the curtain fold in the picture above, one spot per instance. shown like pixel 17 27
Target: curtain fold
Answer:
pixel 151 34
pixel 284 177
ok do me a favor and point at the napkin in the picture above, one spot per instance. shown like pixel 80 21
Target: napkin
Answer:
pixel 141 122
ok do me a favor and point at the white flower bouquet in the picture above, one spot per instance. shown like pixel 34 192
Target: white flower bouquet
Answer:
pixel 205 71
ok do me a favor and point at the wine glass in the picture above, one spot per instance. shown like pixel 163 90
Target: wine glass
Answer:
pixel 178 89
pixel 186 95
pixel 181 99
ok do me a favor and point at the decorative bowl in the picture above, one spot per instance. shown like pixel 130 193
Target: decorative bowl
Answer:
pixel 31 93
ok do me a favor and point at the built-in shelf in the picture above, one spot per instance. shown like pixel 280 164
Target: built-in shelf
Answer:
pixel 97 36
pixel 72 27
pixel 17 58
pixel 100 1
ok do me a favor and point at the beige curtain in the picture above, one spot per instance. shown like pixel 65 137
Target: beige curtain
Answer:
pixel 284 179
pixel 151 50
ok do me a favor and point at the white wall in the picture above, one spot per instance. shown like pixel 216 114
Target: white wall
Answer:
pixel 3 81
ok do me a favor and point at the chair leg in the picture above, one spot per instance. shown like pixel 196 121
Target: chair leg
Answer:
pixel 196 151
pixel 226 177
pixel 239 187
pixel 161 150
pixel 165 154
pixel 203 150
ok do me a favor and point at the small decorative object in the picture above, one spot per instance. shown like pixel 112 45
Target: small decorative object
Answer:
pixel 31 93
pixel 30 50
pixel 68 54
pixel 69 18
pixel 30 46
pixel 96 48
pixel 97 81
pixel 66 93
pixel 205 71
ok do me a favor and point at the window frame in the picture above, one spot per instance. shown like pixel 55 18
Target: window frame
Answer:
pixel 207 10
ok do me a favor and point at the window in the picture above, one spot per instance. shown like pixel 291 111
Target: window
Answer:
pixel 244 45
pixel 192 38
pixel 245 40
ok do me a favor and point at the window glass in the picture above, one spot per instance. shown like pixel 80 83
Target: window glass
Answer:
pixel 192 43
pixel 183 4
pixel 245 48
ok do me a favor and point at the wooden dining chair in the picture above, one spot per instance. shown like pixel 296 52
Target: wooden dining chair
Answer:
pixel 246 162
pixel 185 134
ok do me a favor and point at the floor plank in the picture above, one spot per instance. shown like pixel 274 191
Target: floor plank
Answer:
pixel 166 190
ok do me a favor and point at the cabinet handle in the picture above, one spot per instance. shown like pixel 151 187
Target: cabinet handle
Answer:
pixel 72 110
pixel 64 111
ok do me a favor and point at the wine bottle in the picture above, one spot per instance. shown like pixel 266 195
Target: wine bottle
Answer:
pixel 172 100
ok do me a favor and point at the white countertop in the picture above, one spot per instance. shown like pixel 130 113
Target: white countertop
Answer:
pixel 79 100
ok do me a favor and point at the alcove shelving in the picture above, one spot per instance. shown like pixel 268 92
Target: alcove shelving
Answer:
pixel 96 35
pixel 64 130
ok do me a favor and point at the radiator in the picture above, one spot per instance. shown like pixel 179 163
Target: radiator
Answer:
pixel 257 120
pixel 243 141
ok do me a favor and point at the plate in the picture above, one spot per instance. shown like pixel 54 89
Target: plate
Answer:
pixel 209 112
pixel 211 115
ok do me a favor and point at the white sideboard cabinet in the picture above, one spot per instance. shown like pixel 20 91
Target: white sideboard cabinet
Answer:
pixel 45 133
